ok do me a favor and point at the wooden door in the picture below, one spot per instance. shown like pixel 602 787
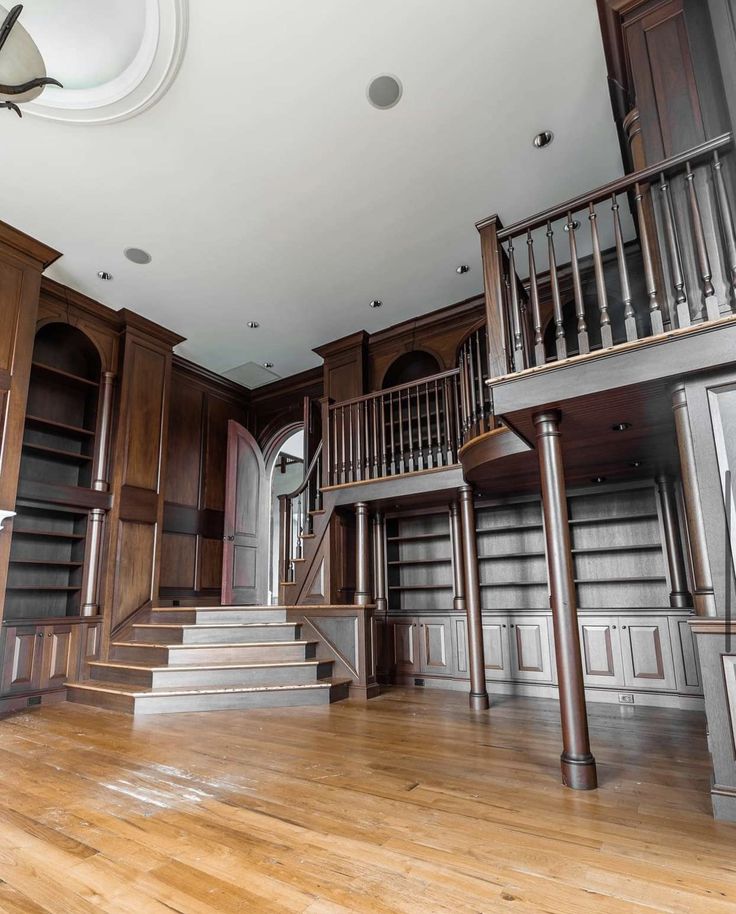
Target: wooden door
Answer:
pixel 22 664
pixel 647 653
pixel 435 655
pixel 601 649
pixel 245 548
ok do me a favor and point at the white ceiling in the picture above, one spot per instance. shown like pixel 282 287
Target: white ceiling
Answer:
pixel 267 188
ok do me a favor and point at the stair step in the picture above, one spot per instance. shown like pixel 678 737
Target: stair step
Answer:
pixel 215 632
pixel 138 700
pixel 206 614
pixel 213 674
pixel 227 652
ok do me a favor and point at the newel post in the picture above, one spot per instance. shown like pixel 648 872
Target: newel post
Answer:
pixel 496 315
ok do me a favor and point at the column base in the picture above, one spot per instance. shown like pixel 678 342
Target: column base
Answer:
pixel 458 604
pixel 705 603
pixel 579 774
pixel 681 600
pixel 479 701
pixel 362 599
pixel 724 803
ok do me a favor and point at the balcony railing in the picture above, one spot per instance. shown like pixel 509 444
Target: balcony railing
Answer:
pixel 665 261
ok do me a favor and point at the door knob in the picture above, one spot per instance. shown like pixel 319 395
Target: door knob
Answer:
pixel 229 539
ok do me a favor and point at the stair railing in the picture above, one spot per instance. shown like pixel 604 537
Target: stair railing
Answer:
pixel 296 516
pixel 403 429
pixel 475 395
pixel 685 272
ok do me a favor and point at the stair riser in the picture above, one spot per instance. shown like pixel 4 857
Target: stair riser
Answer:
pixel 202 617
pixel 172 678
pixel 236 653
pixel 234 635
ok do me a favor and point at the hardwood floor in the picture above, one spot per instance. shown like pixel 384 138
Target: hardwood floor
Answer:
pixel 409 803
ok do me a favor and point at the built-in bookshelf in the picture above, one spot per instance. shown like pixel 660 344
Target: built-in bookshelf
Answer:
pixel 47 551
pixel 616 542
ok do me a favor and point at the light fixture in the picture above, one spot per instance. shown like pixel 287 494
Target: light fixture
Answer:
pixel 22 70
pixel 384 91
pixel 598 479
pixel 463 268
pixel 621 427
pixel 376 303
pixel 103 274
pixel 543 139
pixel 253 325
pixel 268 364
pixel 137 255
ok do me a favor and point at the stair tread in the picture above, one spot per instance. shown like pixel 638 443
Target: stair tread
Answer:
pixel 225 608
pixel 125 665
pixel 214 625
pixel 208 647
pixel 138 691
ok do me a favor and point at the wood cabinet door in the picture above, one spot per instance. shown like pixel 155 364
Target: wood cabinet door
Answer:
pixel 685 655
pixel 531 654
pixel 406 654
pixel 86 639
pixel 57 655
pixel 647 653
pixel 22 662
pixel 435 654
pixel 496 648
pixel 600 646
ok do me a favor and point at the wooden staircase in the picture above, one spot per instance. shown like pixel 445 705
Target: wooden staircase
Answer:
pixel 207 659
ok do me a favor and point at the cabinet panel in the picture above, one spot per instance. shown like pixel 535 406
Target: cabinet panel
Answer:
pixel 57 653
pixel 23 653
pixel 531 657
pixel 435 655
pixel 601 649
pixel 405 646
pixel 647 653
pixel 687 666
pixel 496 648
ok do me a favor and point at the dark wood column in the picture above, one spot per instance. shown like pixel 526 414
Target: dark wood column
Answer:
pixel 476 659
pixel 458 570
pixel 362 556
pixel 703 595
pixel 679 594
pixel 379 560
pixel 577 762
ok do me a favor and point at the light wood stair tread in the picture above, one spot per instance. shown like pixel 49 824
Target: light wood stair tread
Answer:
pixel 183 668
pixel 207 647
pixel 208 625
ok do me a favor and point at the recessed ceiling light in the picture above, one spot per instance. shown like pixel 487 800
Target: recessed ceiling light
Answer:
pixel 463 268
pixel 543 139
pixel 253 325
pixel 268 364
pixel 376 303
pixel 103 274
pixel 598 479
pixel 384 91
pixel 137 255
pixel 621 427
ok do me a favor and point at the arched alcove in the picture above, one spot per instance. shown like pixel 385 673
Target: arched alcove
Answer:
pixel 411 366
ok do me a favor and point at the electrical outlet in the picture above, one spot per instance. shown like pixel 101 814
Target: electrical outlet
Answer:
pixel 626 698
pixel 418 682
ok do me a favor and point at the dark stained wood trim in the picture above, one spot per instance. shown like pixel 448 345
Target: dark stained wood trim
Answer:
pixel 29 249
pixel 73 496
pixel 138 505
pixel 193 521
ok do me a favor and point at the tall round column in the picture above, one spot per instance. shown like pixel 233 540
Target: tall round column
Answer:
pixel 577 762
pixel 704 598
pixel 362 556
pixel 679 594
pixel 458 569
pixel 476 658
pixel 379 559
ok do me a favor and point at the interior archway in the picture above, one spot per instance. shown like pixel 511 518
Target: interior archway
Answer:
pixel 411 366
pixel 286 471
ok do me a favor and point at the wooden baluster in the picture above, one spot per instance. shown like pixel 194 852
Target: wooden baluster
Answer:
pixel 438 424
pixel 600 280
pixel 318 493
pixel 393 437
pixel 343 447
pixel 335 477
pixel 623 274
pixel 727 227
pixel 655 314
pixel 583 341
pixel 479 377
pixel 402 456
pixel 712 312
pixel 673 249
pixel 463 397
pixel 458 414
pixel 560 344
pixel 430 453
pixel 515 312
pixel 356 425
pixel 448 422
pixel 471 387
pixel 285 531
pixel 409 425
pixel 374 418
pixel 384 455
pixel 420 443
pixel 539 354
pixel 367 446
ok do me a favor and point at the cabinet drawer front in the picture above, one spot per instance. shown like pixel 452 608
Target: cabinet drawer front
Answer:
pixel 601 650
pixel 647 653
pixel 530 649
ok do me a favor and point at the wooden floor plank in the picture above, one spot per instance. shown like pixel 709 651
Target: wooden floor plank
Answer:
pixel 409 804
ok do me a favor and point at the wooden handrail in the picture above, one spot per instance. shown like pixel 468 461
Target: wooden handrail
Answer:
pixel 392 390
pixel 307 475
pixel 643 176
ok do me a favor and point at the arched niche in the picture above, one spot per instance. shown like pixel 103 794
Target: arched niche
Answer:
pixel 411 366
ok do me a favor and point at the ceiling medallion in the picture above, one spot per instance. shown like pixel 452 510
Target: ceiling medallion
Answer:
pixel 22 70
pixel 139 86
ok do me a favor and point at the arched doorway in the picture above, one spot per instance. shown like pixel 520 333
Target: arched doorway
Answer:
pixel 285 468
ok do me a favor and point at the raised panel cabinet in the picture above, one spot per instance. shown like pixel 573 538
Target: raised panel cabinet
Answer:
pixel 496 648
pixel 22 660
pixel 406 647
pixel 435 653
pixel 600 646
pixel 647 653
pixel 685 655
pixel 531 655
pixel 57 655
